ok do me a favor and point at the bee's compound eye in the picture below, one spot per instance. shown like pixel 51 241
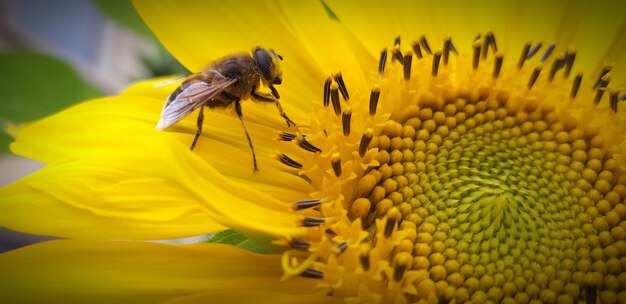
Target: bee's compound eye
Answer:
pixel 264 60
pixel 277 80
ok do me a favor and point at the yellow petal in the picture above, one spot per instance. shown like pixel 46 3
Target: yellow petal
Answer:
pixel 132 272
pixel 85 200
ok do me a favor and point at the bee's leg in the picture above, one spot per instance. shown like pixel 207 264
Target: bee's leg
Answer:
pixel 262 98
pixel 240 115
pixel 199 127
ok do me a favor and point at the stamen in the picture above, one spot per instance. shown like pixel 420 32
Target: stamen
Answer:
pixel 306 204
pixel 401 262
pixel 547 52
pixel 622 98
pixel 334 97
pixel 556 66
pixel 602 84
pixel 417 50
pixel 365 141
pixel 406 64
pixel 497 66
pixel 312 221
pixel 364 256
pixel 342 86
pixel 436 60
pixel 533 77
pixel 335 162
pixel 286 136
pixel 306 145
pixel 534 50
pixel 374 95
pixel 341 247
pixel 327 91
pixel 312 273
pixel 476 57
pixel 393 216
pixel 396 55
pixel 288 161
pixel 485 48
pixel 300 244
pixel 381 62
pixel 605 70
pixel 522 58
pixel 447 42
pixel 569 62
pixel 453 48
pixel 576 85
pixel 425 46
pixel 345 121
pixel 614 95
pixel 396 42
pixel 492 41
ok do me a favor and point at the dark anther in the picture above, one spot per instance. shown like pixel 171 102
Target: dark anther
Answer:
pixel 558 64
pixel 306 204
pixel 492 41
pixel 417 50
pixel 365 141
pixel 396 42
pixel 382 62
pixel 334 98
pixel 374 100
pixel 397 55
pixel 398 272
pixel 312 273
pixel 365 261
pixel 312 221
pixel 453 48
pixel 602 84
pixel 286 136
pixel 406 64
pixel 534 50
pixel 342 86
pixel 446 50
pixel 425 46
pixel 288 161
pixel 436 60
pixel 327 91
pixel 345 122
pixel 306 145
pixel 533 77
pixel 569 63
pixel 614 95
pixel 391 224
pixel 341 247
pixel 476 55
pixel 591 293
pixel 497 66
pixel 335 162
pixel 522 57
pixel 576 85
pixel 605 70
pixel 621 98
pixel 547 52
pixel 299 244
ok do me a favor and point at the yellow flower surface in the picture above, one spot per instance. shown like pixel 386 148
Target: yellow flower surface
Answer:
pixel 443 153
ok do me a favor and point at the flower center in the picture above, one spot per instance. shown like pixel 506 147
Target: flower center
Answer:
pixel 461 178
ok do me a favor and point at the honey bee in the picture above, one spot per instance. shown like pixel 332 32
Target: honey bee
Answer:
pixel 223 84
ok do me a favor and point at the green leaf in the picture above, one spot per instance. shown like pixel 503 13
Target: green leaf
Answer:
pixel 123 12
pixel 234 238
pixel 35 85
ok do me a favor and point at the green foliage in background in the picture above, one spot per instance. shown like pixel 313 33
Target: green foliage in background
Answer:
pixel 123 12
pixel 35 85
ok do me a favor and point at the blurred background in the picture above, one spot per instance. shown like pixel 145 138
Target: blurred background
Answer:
pixel 57 53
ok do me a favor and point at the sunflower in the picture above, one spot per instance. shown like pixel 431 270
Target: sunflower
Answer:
pixel 442 153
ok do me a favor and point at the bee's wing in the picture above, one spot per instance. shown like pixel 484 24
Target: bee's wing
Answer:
pixel 191 98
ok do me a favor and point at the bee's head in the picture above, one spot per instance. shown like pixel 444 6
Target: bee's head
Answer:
pixel 269 65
